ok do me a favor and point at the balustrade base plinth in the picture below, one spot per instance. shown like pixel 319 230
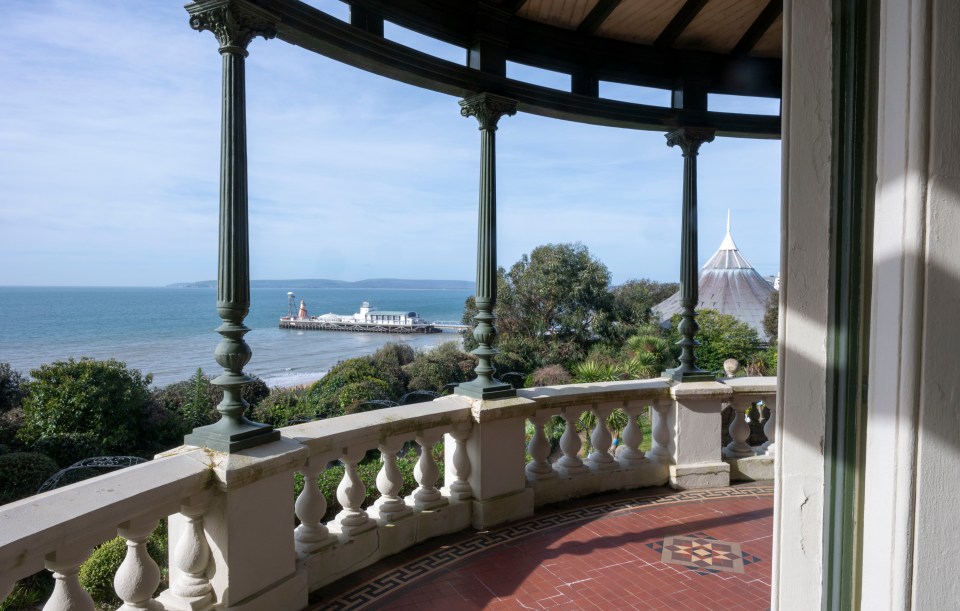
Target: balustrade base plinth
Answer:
pixel 751 468
pixel 477 390
pixel 701 475
pixel 192 603
pixel 678 374
pixel 501 509
pixel 227 437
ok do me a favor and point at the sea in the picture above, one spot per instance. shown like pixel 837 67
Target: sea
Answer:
pixel 170 332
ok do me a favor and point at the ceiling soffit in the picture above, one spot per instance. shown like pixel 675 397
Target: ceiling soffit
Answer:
pixel 553 35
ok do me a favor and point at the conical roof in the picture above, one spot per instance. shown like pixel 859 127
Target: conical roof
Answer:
pixel 729 285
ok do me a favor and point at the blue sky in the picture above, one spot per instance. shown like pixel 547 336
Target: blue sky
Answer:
pixel 109 153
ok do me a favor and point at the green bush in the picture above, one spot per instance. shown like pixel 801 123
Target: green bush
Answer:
pixel 11 392
pixel 21 473
pixel 551 375
pixel 355 393
pixel 323 395
pixel 29 593
pixel 434 369
pixel 88 396
pixel 282 406
pixel 195 401
pixel 68 448
pixel 96 573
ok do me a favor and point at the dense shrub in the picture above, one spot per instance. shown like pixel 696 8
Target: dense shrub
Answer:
pixel 323 395
pixel 551 375
pixel 96 573
pixel 11 421
pixel 281 407
pixel 434 369
pixel 195 401
pixel 21 473
pixel 68 448
pixel 721 337
pixel 88 396
pixel 11 392
pixel 355 393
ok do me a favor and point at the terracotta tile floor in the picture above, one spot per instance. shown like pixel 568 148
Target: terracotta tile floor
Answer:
pixel 648 549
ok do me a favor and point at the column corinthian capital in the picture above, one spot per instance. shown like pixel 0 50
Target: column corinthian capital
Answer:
pixel 487 108
pixel 689 139
pixel 234 22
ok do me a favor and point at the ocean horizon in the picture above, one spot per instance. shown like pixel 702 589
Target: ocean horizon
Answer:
pixel 170 332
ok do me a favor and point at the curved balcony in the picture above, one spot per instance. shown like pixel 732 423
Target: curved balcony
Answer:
pixel 234 542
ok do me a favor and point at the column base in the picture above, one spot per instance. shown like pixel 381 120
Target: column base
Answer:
pixel 477 390
pixel 226 436
pixel 697 375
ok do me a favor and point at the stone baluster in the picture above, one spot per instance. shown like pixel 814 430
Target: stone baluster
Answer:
pixel 628 452
pixel 660 431
pixel 426 472
pixel 739 432
pixel 459 489
pixel 389 507
pixel 138 576
pixel 570 444
pixel 312 535
pixel 539 466
pixel 189 586
pixel 352 519
pixel 601 440
pixel 67 591
pixel 769 447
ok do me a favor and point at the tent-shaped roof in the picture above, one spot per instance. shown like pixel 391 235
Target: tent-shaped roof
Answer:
pixel 728 284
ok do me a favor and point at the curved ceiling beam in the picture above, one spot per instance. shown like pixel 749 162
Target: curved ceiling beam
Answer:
pixel 316 31
pixel 559 50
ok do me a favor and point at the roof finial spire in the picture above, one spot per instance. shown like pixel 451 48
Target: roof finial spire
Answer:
pixel 727 243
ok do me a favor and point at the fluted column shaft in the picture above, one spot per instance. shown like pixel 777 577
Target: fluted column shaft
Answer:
pixel 689 141
pixel 235 23
pixel 487 109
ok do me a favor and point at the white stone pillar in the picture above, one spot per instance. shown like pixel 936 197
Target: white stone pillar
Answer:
pixel 696 435
pixel 249 527
pixel 496 450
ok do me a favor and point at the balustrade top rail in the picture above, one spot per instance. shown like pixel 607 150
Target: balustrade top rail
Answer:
pixel 88 512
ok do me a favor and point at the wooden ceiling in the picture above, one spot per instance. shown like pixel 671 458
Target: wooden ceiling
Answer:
pixel 731 27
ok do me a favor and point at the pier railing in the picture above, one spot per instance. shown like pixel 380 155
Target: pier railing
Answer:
pixel 234 541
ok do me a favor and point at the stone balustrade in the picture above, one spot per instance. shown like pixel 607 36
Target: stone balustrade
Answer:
pixel 233 538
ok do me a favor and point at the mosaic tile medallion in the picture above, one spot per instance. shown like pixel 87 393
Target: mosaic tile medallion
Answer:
pixel 703 554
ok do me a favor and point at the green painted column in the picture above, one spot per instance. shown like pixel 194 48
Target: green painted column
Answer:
pixel 488 109
pixel 689 140
pixel 235 23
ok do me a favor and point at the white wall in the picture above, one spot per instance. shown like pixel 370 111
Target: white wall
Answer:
pixel 805 257
pixel 912 494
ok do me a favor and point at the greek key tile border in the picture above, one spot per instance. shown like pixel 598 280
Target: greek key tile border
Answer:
pixel 393 579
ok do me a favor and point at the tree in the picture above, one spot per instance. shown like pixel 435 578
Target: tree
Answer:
pixel 721 337
pixel 74 398
pixel 632 306
pixel 550 305
pixel 10 392
pixel 771 317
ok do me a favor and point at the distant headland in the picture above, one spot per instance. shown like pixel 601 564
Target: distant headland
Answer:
pixel 322 283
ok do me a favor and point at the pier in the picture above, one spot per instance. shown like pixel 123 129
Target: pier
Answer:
pixel 322 325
